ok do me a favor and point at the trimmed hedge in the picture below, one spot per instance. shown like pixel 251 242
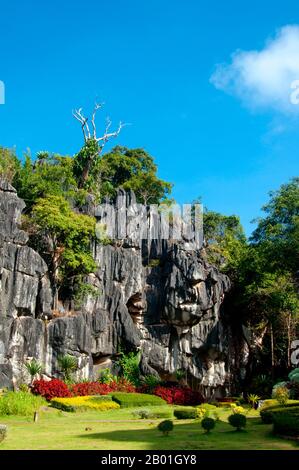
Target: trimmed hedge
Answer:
pixel 286 425
pixel 186 413
pixel 268 413
pixel 85 403
pixel 131 400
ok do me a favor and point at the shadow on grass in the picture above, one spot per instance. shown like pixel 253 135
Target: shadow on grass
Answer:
pixel 191 437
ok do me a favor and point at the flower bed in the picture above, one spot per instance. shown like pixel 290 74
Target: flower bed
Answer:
pixel 56 388
pixel 50 389
pixel 85 403
pixel 178 395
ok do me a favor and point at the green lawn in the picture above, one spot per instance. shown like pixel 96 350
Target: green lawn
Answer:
pixel 119 430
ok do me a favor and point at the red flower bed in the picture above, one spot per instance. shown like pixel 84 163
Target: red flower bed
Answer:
pixel 50 389
pixel 90 388
pixel 96 388
pixel 123 385
pixel 178 395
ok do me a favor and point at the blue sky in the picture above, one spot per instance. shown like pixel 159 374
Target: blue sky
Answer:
pixel 213 131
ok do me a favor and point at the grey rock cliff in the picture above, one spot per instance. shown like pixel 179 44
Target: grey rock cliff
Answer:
pixel 170 309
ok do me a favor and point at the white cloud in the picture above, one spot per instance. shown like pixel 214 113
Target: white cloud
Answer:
pixel 264 78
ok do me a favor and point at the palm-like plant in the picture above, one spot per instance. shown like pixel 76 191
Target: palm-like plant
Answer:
pixel 33 368
pixel 68 364
pixel 253 399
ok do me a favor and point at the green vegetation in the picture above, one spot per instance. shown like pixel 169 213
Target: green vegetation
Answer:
pixel 74 404
pixel 20 404
pixel 34 368
pixel 186 413
pixel 68 364
pixel 237 420
pixel 129 366
pixel 208 424
pixel 158 412
pixel 117 430
pixel 267 414
pixel 130 400
pixel 286 424
pixel 281 394
pixel 165 427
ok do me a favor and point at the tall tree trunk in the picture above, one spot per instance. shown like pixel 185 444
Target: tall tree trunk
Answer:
pixel 289 335
pixel 272 350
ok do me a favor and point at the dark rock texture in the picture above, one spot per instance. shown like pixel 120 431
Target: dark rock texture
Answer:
pixel 159 297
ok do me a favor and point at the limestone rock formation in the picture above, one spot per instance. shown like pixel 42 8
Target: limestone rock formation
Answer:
pixel 160 297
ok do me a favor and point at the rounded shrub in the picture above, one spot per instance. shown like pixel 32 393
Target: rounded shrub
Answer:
pixel 208 424
pixel 165 426
pixel 281 394
pixel 186 413
pixel 3 432
pixel 237 420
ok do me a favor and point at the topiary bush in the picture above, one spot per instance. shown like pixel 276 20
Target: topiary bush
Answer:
pixel 165 426
pixel 208 424
pixel 3 432
pixel 237 420
pixel 186 413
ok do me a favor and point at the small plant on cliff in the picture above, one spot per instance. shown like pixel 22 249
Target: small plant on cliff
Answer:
pixel 68 364
pixel 165 427
pixel 34 368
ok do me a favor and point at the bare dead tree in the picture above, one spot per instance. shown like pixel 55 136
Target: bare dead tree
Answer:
pixel 92 136
pixel 77 113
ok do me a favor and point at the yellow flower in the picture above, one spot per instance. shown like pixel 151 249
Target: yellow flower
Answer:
pixel 82 403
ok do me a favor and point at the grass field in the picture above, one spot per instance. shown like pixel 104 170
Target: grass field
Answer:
pixel 119 430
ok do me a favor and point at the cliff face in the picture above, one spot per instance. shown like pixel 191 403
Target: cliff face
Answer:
pixel 161 298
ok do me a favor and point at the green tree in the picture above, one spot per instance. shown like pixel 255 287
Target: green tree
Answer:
pixel 278 231
pixel 64 239
pixel 225 241
pixel 130 169
pixel 48 175
pixel 9 164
